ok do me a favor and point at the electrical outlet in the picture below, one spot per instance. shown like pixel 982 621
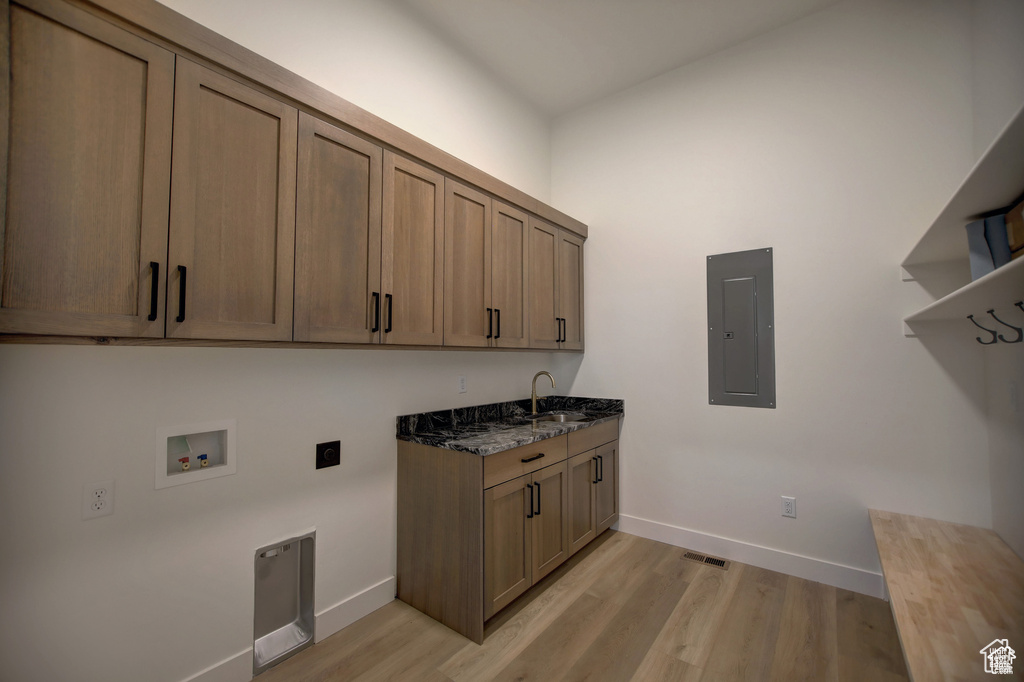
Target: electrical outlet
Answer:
pixel 328 454
pixel 789 506
pixel 462 383
pixel 97 499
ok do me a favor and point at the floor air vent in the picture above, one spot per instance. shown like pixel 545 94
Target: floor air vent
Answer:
pixel 709 560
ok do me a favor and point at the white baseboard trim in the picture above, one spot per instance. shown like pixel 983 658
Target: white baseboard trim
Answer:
pixel 837 575
pixel 237 668
pixel 348 611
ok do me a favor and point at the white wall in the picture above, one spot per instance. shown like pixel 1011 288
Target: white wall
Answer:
pixel 163 589
pixel 835 140
pixel 377 55
pixel 998 67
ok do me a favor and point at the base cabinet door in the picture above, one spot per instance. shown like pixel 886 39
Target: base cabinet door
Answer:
pixel 508 545
pixel 606 507
pixel 83 234
pixel 232 235
pixel 582 477
pixel 550 515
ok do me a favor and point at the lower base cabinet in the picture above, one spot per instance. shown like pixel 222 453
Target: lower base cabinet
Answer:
pixel 476 532
pixel 525 533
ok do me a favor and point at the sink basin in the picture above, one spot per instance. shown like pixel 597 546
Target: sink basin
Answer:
pixel 560 417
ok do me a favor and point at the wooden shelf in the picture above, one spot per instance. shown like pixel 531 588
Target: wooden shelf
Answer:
pixel 998 290
pixel 994 182
pixel 953 590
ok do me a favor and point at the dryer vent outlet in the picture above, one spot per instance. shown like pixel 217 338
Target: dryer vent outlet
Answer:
pixel 328 454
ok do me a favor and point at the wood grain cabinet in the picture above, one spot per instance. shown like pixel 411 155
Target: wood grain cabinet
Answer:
pixel 486 277
pixel 337 236
pixel 525 533
pixel 232 226
pixel 556 287
pixel 593 494
pixel 88 154
pixel 412 272
pixel 476 532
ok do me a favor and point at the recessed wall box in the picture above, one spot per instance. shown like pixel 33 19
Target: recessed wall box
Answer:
pixel 209 446
pixel 283 613
pixel 741 329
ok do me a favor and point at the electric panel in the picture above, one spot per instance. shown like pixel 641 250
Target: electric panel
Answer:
pixel 741 334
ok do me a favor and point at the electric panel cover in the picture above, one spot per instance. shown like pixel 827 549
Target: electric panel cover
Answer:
pixel 741 329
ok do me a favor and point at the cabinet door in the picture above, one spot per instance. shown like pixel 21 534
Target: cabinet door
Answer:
pixel 570 289
pixel 412 269
pixel 232 210
pixel 508 548
pixel 550 519
pixel 510 250
pixel 337 236
pixel 468 316
pixel 606 490
pixel 582 479
pixel 84 234
pixel 544 327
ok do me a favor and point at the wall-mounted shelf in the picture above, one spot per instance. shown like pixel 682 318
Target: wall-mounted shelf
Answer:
pixel 995 182
pixel 998 289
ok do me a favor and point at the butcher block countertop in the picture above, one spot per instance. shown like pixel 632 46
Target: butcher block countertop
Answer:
pixel 955 590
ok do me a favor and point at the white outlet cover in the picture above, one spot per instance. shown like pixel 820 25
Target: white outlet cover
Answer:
pixel 789 506
pixel 462 383
pixel 97 499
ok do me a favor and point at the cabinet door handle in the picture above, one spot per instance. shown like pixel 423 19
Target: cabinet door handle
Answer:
pixel 376 312
pixel 600 468
pixel 596 476
pixel 182 273
pixel 490 323
pixel 529 514
pixel 391 305
pixel 532 459
pixel 561 329
pixel 497 312
pixel 537 513
pixel 155 291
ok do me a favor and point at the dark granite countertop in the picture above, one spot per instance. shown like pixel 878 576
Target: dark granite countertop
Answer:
pixel 487 429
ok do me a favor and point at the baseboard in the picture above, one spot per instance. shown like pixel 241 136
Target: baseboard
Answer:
pixel 348 611
pixel 837 575
pixel 237 668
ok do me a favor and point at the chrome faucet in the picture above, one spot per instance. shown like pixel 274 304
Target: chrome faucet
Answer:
pixel 533 404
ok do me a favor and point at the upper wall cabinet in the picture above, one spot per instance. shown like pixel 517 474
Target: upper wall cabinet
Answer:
pixel 556 288
pixel 232 210
pixel 147 191
pixel 485 270
pixel 88 151
pixel 337 236
pixel 413 253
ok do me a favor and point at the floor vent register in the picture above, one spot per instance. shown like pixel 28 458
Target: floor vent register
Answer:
pixel 709 560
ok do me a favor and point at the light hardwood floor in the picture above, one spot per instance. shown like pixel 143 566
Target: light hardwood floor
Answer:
pixel 630 609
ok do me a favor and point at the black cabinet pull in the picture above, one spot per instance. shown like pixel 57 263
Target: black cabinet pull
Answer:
pixel 532 459
pixel 537 513
pixel 596 478
pixel 561 329
pixel 600 468
pixel 182 273
pixel 498 314
pixel 376 312
pixel 490 323
pixel 154 293
pixel 391 305
pixel 529 514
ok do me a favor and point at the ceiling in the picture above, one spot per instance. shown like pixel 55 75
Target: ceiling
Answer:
pixel 563 54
